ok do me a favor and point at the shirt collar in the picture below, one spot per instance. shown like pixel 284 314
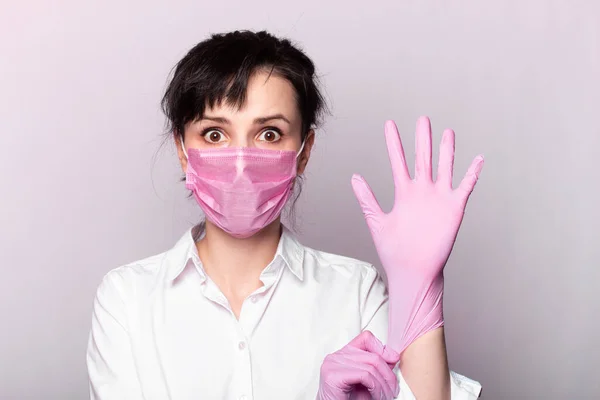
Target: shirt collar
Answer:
pixel 289 249
pixel 292 252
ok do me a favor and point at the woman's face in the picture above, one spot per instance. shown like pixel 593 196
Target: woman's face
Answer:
pixel 269 119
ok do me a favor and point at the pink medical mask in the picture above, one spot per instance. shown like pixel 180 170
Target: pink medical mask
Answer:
pixel 241 189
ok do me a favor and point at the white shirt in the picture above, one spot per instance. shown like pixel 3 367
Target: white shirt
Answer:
pixel 162 330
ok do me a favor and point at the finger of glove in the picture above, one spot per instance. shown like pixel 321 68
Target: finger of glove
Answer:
pixel 446 160
pixel 396 155
pixel 383 369
pixel 369 354
pixel 468 182
pixel 382 389
pixel 423 150
pixel 368 202
pixel 361 393
pixel 360 374
pixel 368 342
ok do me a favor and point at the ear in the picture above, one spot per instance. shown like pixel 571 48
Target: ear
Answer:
pixel 180 154
pixel 305 156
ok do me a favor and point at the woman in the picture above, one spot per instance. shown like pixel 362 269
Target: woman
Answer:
pixel 238 308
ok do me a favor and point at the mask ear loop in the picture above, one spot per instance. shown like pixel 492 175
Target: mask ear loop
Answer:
pixel 301 149
pixel 183 147
pixel 299 153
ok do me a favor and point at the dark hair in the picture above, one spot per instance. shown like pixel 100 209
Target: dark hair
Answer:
pixel 218 69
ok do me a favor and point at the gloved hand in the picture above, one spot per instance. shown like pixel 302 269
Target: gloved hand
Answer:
pixel 415 238
pixel 361 370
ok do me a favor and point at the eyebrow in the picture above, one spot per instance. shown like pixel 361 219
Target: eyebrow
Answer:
pixel 257 121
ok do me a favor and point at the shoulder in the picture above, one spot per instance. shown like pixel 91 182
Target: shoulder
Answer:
pixel 349 288
pixel 143 276
pixel 338 265
pixel 135 277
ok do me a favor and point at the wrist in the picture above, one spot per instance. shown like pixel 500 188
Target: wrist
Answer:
pixel 410 285
pixel 415 308
pixel 424 366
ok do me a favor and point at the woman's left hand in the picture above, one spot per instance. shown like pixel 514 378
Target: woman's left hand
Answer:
pixel 415 238
pixel 361 370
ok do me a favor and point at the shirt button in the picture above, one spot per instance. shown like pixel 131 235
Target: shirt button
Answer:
pixel 242 346
pixel 242 397
pixel 254 299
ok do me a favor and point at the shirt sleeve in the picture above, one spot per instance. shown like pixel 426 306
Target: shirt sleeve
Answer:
pixel 374 316
pixel 111 369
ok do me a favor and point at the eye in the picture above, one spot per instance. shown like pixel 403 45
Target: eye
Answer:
pixel 270 135
pixel 213 136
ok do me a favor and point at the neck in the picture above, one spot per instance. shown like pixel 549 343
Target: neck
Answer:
pixel 235 264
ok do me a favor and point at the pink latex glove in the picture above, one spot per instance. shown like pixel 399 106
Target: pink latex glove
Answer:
pixel 415 238
pixel 361 370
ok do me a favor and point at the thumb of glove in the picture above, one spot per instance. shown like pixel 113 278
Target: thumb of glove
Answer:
pixel 368 203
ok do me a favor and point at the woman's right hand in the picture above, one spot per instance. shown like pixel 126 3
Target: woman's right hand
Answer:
pixel 360 370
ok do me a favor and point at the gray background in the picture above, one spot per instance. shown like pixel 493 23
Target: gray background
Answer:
pixel 84 187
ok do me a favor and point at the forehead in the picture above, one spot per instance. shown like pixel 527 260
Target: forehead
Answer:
pixel 266 94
